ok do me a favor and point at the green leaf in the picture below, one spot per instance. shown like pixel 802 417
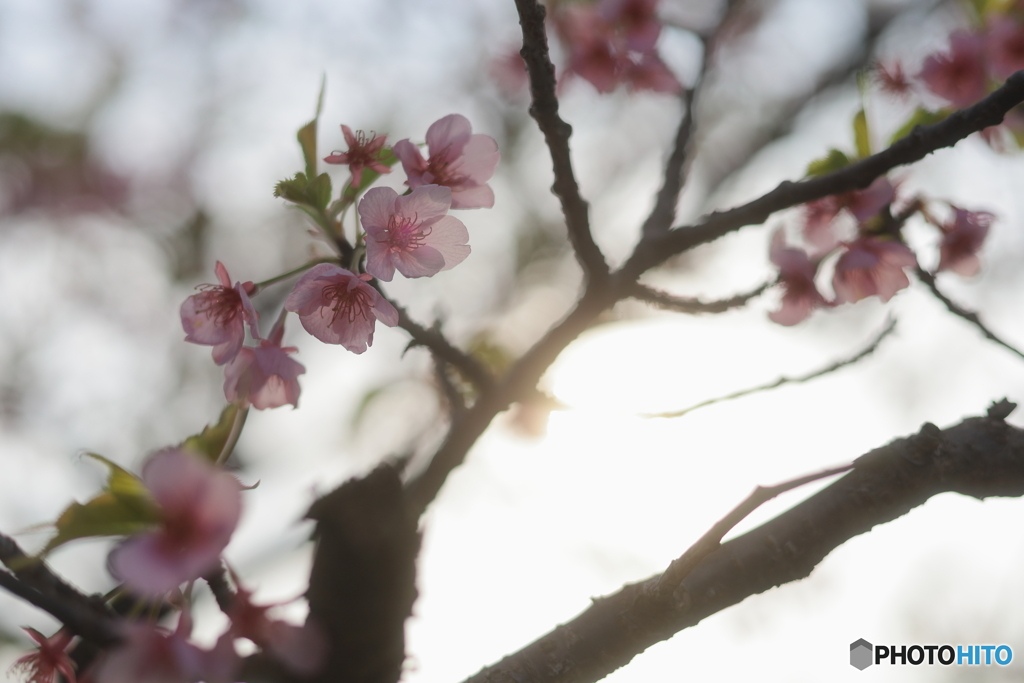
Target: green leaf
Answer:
pixel 124 507
pixel 921 117
pixel 833 161
pixel 210 442
pixel 388 158
pixel 307 134
pixel 315 193
pixel 861 134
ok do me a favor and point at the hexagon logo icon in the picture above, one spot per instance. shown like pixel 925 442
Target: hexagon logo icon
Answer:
pixel 860 654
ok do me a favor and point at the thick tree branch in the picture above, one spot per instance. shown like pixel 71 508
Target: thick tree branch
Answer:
pixel 980 457
pixel 31 580
pixel 922 141
pixel 929 280
pixel 544 110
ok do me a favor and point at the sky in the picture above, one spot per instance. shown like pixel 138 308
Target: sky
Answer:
pixel 196 103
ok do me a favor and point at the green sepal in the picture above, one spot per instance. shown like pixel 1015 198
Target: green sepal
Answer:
pixel 833 161
pixel 124 507
pixel 861 135
pixel 209 443
pixel 921 117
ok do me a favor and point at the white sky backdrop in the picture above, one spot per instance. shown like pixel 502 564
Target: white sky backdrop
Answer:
pixel 528 530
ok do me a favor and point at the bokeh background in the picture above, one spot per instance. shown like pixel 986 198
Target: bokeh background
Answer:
pixel 140 141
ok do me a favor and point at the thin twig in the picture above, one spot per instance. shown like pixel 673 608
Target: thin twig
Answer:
pixel 712 539
pixel 929 280
pixel 689 305
pixel 544 110
pixel 866 351
pixel 438 344
pixel 922 141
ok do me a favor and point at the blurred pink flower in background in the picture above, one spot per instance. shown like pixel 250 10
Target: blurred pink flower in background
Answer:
pixel 411 233
pixel 199 508
pixel 962 239
pixel 150 654
pixel 796 275
pixel 1004 46
pixel 363 152
pixel 215 316
pixel 959 74
pixel 338 307
pixel 871 266
pixel 265 376
pixel 458 160
pixel 300 648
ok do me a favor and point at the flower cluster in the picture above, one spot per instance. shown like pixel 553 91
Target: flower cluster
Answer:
pixel 612 43
pixel 874 261
pixel 338 303
pixel 974 63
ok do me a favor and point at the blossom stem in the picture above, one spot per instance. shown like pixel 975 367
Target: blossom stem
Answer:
pixel 236 431
pixel 284 276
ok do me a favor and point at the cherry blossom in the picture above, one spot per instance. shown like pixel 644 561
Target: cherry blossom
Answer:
pixel 214 317
pixel 300 648
pixel 957 75
pixel 199 509
pixel 412 233
pixel 893 80
pixel 458 160
pixel 637 20
pixel 872 265
pixel 363 152
pixel 796 275
pixel 962 239
pixel 49 658
pixel 338 307
pixel 265 376
pixel 1004 46
pixel 862 204
pixel 150 654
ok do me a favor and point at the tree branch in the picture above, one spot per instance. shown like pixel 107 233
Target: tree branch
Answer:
pixel 688 305
pixel 922 141
pixel 544 110
pixel 31 580
pixel 929 280
pixel 980 457
pixel 832 367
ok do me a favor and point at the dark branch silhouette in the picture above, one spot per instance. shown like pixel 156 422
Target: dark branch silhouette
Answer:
pixel 980 457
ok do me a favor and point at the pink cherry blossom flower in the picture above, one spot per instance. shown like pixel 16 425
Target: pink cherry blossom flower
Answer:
pixel 863 204
pixel 1004 46
pixel 301 649
pixel 363 152
pixel 637 19
pixel 49 658
pixel 871 265
pixel 459 160
pixel 149 654
pixel 961 241
pixel 199 509
pixel 796 275
pixel 338 307
pixel 265 376
pixel 893 80
pixel 214 317
pixel 412 233
pixel 957 75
